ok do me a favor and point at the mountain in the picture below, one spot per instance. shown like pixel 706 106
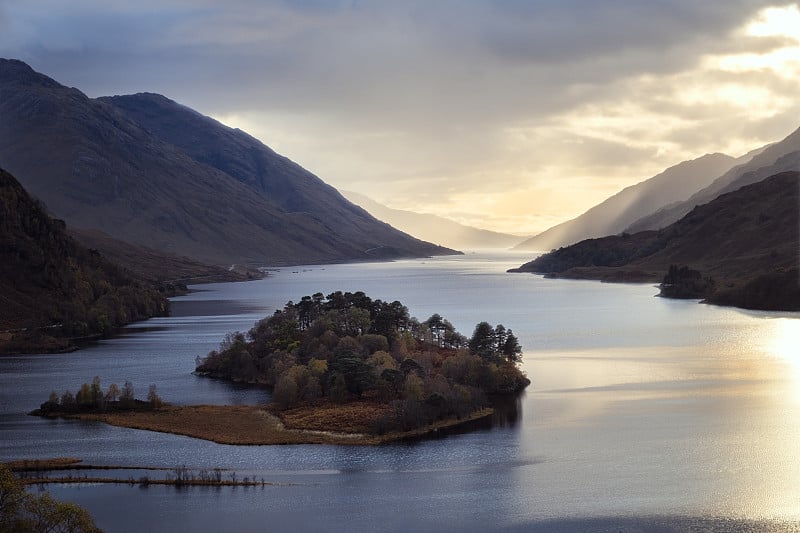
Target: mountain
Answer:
pixel 170 273
pixel 434 228
pixel 152 172
pixel 52 289
pixel 739 249
pixel 778 157
pixel 630 204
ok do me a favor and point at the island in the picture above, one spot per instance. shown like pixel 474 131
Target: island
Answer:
pixel 342 368
pixel 348 364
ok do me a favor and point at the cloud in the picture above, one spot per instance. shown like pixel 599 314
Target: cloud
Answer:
pixel 429 105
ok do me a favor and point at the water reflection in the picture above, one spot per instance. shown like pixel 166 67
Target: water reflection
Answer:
pixel 639 407
pixel 507 411
pixel 785 340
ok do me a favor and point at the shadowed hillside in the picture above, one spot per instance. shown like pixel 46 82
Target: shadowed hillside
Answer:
pixel 216 195
pixel 779 157
pixel 170 272
pixel 743 246
pixel 52 290
pixel 616 213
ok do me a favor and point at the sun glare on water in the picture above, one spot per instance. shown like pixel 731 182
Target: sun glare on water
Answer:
pixel 784 344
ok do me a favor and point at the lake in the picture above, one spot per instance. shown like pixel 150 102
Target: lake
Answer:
pixel 644 413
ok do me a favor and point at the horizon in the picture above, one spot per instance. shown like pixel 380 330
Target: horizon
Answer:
pixel 510 118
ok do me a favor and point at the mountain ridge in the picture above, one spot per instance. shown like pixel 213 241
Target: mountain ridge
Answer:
pixel 94 165
pixel 774 158
pixel 617 212
pixel 433 228
pixel 746 241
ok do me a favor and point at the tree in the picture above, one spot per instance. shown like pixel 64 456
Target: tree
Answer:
pixel 67 399
pixel 45 514
pixel 97 392
pixel 437 326
pixel 511 348
pixel 482 342
pixel 127 398
pixel 286 391
pixel 357 374
pixel 338 388
pixel 23 512
pixel 153 397
pixel 113 392
pixel 12 498
pixel 84 397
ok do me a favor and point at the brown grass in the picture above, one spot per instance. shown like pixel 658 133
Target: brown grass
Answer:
pixel 359 417
pixel 253 425
pixel 35 465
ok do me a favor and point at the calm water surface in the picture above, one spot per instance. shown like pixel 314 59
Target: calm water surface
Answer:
pixel 643 413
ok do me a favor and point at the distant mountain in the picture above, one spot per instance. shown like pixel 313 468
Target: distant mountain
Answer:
pixel 434 228
pixel 51 288
pixel 615 214
pixel 778 157
pixel 746 241
pixel 151 172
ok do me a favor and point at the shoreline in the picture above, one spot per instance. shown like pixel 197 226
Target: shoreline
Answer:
pixel 253 425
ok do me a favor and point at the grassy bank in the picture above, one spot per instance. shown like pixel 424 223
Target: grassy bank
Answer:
pixel 255 425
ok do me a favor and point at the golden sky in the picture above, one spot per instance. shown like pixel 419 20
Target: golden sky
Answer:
pixel 511 116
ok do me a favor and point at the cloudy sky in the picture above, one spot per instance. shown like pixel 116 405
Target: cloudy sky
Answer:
pixel 509 115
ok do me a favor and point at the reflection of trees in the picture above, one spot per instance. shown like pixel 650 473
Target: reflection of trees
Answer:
pixel 507 412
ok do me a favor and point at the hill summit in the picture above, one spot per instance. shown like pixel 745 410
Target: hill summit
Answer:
pixel 150 171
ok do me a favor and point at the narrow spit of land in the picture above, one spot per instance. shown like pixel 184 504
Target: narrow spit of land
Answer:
pixel 38 472
pixel 256 425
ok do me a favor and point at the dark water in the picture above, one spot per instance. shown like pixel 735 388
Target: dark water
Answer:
pixel 644 414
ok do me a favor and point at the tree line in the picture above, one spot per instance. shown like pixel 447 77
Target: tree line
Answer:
pixel 91 397
pixel 21 512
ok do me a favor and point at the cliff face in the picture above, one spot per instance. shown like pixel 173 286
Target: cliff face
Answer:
pixel 149 171
pixel 746 242
pixel 51 288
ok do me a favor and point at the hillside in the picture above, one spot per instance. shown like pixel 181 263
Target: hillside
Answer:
pixel 170 272
pixel 51 289
pixel 616 213
pixel 434 228
pixel 779 157
pixel 745 241
pixel 114 166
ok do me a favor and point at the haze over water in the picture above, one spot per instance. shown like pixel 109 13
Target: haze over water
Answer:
pixel 640 407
